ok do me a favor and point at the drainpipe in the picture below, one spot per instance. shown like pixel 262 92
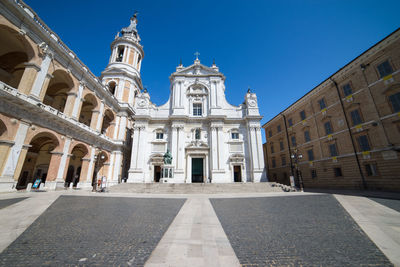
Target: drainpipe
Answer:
pixel 287 138
pixel 363 67
pixel 351 135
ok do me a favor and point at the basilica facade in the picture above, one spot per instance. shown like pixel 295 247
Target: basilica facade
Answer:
pixel 61 124
pixel 209 139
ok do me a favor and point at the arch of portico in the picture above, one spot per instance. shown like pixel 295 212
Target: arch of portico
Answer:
pixel 18 59
pixel 41 159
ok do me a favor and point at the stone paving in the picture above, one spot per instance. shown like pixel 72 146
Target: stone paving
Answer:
pixel 94 231
pixel 390 203
pixel 7 202
pixel 80 228
pixel 295 231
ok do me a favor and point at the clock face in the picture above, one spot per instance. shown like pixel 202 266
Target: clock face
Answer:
pixel 142 103
pixel 252 103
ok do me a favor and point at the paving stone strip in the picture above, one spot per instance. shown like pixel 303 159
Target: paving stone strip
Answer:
pixel 380 223
pixel 10 201
pixel 195 238
pixel 295 231
pixel 93 231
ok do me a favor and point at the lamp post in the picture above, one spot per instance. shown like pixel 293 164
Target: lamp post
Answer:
pixel 297 157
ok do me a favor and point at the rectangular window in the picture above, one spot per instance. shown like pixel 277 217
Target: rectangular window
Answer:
pixel 283 161
pixel 347 89
pixel 270 133
pixel 307 137
pixel 197 109
pixel 310 154
pixel 293 140
pixel 333 150
pixel 273 163
pixel 159 135
pixel 279 128
pixel 235 135
pixel 385 69
pixel 281 145
pixel 302 115
pixel 355 117
pixel 272 148
pixel 328 127
pixel 290 122
pixel 395 101
pixel 363 143
pixel 337 171
pixel 322 104
pixel 371 169
pixel 313 174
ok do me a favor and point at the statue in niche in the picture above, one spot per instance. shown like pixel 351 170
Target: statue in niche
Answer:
pixel 167 157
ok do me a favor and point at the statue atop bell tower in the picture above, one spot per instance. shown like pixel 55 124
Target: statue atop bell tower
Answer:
pixel 122 75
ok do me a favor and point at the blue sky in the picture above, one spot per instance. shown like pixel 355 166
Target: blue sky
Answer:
pixel 281 49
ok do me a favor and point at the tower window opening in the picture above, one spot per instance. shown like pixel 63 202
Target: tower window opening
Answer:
pixel 111 87
pixel 120 54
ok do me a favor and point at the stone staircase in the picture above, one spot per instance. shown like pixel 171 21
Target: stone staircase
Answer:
pixel 160 188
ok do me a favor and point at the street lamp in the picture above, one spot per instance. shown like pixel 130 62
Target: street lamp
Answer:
pixel 297 157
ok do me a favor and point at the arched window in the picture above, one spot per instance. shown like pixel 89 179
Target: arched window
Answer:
pixel 120 54
pixel 112 86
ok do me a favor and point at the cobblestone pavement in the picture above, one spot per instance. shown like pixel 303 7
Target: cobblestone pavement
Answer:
pixel 295 231
pixel 7 202
pixel 93 231
pixel 390 203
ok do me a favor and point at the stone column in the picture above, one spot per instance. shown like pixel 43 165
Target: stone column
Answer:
pixel 114 132
pixel 41 76
pixel 110 168
pixel 174 144
pixel 120 89
pixel 8 174
pixel 83 180
pixel 214 148
pixel 259 148
pixel 63 160
pixel 122 128
pixel 136 171
pixel 117 167
pixel 28 77
pixel 69 105
pixel 90 168
pixel 221 153
pixel 44 87
pixel 135 145
pixel 99 120
pixel 78 102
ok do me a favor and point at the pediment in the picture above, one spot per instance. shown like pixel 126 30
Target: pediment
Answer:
pixel 197 70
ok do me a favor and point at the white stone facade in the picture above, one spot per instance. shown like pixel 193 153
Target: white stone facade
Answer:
pixel 198 126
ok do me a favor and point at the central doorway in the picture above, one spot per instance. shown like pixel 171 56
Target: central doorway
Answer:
pixel 157 173
pixel 197 170
pixel 237 174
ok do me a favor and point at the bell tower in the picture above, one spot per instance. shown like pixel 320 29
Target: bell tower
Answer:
pixel 122 74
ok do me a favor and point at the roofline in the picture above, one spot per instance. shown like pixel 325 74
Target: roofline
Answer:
pixel 333 75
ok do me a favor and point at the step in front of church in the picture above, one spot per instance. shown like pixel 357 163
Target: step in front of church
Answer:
pixel 195 188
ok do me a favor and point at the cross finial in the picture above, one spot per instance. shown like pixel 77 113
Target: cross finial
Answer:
pixel 197 54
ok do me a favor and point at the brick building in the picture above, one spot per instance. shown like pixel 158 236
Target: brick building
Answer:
pixel 346 129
